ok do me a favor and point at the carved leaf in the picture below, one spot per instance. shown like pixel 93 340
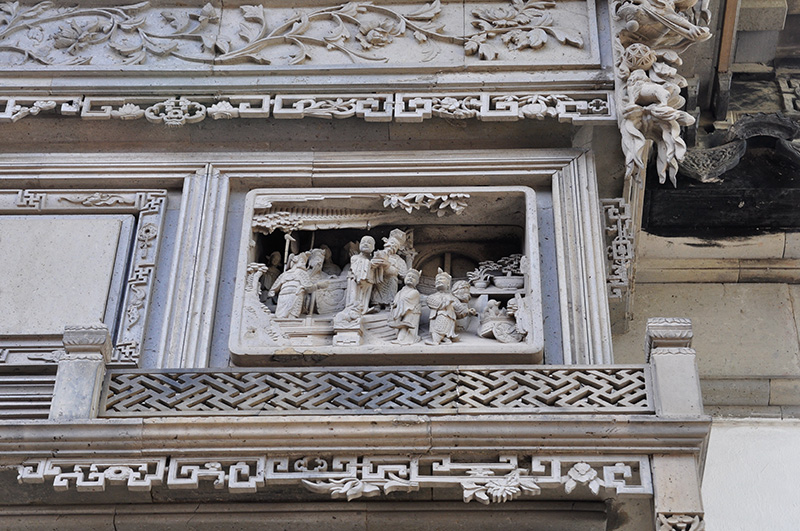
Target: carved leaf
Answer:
pixel 565 38
pixel 300 26
pixel 178 20
pixel 248 33
pixel 536 38
pixel 132 24
pixel 487 52
pixel 253 13
pixel 426 12
pixel 161 50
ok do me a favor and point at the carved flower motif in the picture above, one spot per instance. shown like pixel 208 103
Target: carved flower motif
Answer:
pixel 223 110
pixel 377 34
pixel 502 17
pixel 75 37
pixel 129 111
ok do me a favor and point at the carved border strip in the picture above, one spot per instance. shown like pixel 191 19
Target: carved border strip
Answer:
pixel 148 207
pixel 351 477
pixel 442 390
pixel 620 246
pixel 594 107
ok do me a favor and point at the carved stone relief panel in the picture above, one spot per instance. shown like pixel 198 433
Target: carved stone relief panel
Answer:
pixel 278 34
pixel 388 276
pixel 85 256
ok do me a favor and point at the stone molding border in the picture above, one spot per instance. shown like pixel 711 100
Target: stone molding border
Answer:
pixel 590 107
pixel 148 207
pixel 350 476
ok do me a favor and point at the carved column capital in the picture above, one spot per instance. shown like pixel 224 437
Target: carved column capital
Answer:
pixel 667 333
pixel 92 342
pixel 680 522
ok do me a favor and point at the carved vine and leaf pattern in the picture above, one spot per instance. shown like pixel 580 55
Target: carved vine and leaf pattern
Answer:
pixel 47 34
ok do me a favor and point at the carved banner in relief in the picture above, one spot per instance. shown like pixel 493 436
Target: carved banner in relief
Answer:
pixel 509 32
pixel 399 275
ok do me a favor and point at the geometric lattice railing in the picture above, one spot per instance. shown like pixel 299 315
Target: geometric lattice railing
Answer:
pixel 375 390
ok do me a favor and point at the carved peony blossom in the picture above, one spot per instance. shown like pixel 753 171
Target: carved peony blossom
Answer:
pixel 129 111
pixel 376 34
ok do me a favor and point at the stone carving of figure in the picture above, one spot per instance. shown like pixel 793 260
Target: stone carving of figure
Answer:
pixel 462 296
pixel 292 287
pixel 324 300
pixel 445 309
pixel 393 267
pixel 364 274
pixel 328 266
pixel 273 270
pixel 406 310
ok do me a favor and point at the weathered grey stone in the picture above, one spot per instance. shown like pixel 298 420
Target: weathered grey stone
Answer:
pixel 736 392
pixel 762 15
pixel 784 392
pixel 756 46
pixel 740 330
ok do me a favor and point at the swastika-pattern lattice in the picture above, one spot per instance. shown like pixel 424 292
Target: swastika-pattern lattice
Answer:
pixel 433 391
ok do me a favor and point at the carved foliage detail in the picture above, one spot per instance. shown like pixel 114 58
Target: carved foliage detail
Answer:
pixel 134 34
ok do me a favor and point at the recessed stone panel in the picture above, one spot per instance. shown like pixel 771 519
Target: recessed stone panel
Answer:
pixel 57 271
pixel 411 275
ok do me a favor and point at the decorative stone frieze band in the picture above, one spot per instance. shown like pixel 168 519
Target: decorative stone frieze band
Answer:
pixel 351 477
pixel 594 107
pixel 445 390
pixel 170 33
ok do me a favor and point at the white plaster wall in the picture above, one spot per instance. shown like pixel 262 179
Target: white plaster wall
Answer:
pixel 752 475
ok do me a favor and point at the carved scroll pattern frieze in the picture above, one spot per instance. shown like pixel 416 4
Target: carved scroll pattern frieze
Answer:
pixel 351 477
pixel 620 247
pixel 651 34
pixel 437 391
pixel 148 207
pixel 354 32
pixel 572 107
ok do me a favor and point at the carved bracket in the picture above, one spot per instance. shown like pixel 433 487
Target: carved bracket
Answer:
pixel 593 107
pixel 650 36
pixel 352 477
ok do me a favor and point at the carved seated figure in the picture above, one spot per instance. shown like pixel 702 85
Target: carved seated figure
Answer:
pixel 393 267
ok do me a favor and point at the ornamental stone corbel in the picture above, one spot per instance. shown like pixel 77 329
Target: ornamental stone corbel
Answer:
pixel 650 36
pixel 81 369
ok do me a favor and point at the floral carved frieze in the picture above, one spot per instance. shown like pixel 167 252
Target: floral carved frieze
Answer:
pixel 651 35
pixel 593 107
pixel 372 33
pixel 507 478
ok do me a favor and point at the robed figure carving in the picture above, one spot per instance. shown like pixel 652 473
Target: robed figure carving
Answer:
pixel 406 310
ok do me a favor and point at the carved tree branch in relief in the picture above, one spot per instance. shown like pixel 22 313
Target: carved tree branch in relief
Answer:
pixel 133 34
pixel 649 101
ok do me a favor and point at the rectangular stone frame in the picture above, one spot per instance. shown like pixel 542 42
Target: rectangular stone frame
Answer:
pixel 569 173
pixel 148 207
pixel 529 350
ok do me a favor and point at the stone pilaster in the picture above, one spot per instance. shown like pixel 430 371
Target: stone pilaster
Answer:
pixel 81 369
